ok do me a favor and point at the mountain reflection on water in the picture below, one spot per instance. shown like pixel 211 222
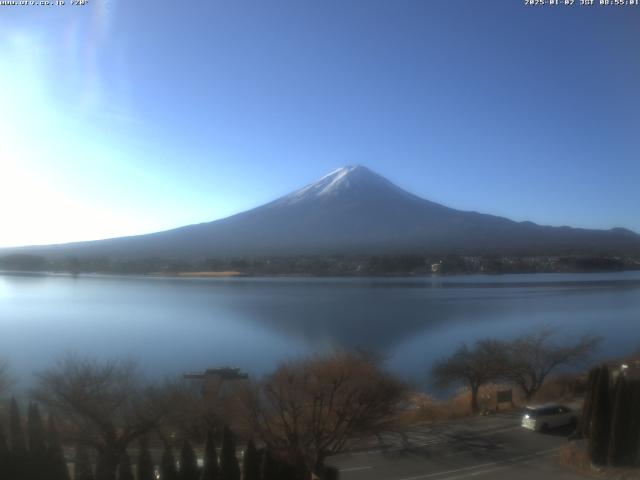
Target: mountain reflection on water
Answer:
pixel 172 325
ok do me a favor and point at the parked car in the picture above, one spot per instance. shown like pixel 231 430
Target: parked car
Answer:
pixel 548 416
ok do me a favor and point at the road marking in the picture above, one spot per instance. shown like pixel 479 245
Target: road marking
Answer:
pixel 467 450
pixel 394 449
pixel 355 469
pixel 478 473
pixel 504 466
pixel 441 439
pixel 432 442
pixel 471 434
pixel 435 474
pixel 501 465
pixel 499 430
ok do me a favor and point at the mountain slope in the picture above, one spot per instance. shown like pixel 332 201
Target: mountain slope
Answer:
pixel 354 210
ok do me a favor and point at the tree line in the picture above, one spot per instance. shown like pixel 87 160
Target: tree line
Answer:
pixel 289 423
pixel 322 264
pixel 611 418
pixel 38 455
pixel 525 361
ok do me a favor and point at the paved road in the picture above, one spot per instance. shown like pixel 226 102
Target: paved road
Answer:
pixel 493 447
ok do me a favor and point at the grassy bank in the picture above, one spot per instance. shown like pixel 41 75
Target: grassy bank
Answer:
pixel 567 389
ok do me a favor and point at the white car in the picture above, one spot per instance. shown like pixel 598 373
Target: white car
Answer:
pixel 546 417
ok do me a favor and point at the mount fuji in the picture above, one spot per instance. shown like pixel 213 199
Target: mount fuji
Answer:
pixel 353 210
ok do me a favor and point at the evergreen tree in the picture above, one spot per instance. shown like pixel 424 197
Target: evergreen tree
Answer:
pixel 57 464
pixel 288 471
pixel 620 422
pixel 145 462
pixel 168 469
pixel 210 470
pixel 5 456
pixel 251 463
pixel 188 462
pixel 634 422
pixel 124 468
pixel 18 443
pixel 600 418
pixel 19 463
pixel 269 466
pixel 103 471
pixel 587 407
pixel 330 473
pixel 275 467
pixel 82 465
pixel 37 444
pixel 229 468
pixel 35 431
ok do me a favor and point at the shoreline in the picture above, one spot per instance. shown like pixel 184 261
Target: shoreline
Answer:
pixel 205 274
pixel 238 274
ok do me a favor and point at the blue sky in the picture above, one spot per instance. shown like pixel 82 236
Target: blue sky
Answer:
pixel 130 117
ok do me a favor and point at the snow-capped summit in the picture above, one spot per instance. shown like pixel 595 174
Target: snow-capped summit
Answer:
pixel 350 180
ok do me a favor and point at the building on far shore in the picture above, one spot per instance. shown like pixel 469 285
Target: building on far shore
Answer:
pixel 212 380
pixel 222 373
pixel 629 367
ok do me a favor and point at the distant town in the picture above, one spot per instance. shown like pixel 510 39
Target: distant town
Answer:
pixel 324 265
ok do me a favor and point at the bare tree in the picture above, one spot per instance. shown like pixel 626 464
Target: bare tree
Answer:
pixel 309 409
pixel 105 405
pixel 186 411
pixel 472 367
pixel 196 408
pixel 534 356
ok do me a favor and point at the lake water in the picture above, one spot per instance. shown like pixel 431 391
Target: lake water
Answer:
pixel 176 325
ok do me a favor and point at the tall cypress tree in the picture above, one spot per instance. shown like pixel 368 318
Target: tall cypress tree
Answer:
pixel 616 437
pixel 188 462
pixel 35 430
pixel 19 464
pixel 82 465
pixel 293 471
pixel 37 444
pixel 229 467
pixel 124 468
pixel 330 473
pixel 18 443
pixel 5 455
pixel 622 448
pixel 210 469
pixel 56 462
pixel 634 423
pixel 168 469
pixel 103 471
pixel 269 466
pixel 600 419
pixel 587 407
pixel 145 469
pixel 251 463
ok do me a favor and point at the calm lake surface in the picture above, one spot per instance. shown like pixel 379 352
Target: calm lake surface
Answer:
pixel 176 325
